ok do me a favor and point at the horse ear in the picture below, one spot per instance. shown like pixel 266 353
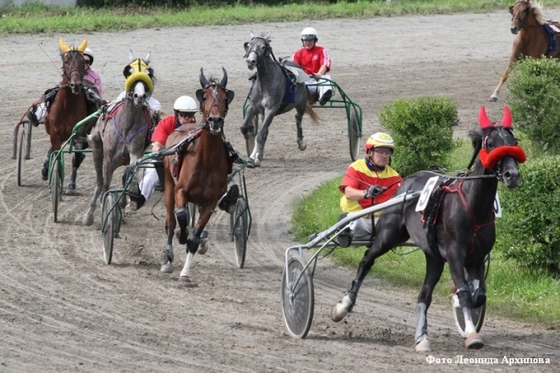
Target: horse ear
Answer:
pixel 147 58
pixel 130 56
pixel 230 95
pixel 203 81
pixel 83 46
pixel 223 83
pixel 252 35
pixel 199 96
pixel 63 47
pixel 483 118
pixel 267 37
pixel 506 120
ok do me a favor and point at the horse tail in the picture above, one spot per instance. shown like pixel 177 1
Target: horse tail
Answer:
pixel 312 114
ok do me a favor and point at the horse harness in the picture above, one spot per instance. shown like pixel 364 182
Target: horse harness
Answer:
pixel 431 212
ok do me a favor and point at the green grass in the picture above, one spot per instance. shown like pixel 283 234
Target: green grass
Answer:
pixel 512 292
pixel 41 19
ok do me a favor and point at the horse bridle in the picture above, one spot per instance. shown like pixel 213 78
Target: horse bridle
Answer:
pixel 76 71
pixel 268 49
pixel 215 102
pixel 521 21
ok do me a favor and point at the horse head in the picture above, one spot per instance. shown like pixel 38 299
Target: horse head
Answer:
pixel 520 14
pixel 214 100
pixel 498 149
pixel 139 83
pixel 257 49
pixel 73 65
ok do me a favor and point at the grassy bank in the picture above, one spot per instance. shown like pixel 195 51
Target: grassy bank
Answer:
pixel 41 19
pixel 512 292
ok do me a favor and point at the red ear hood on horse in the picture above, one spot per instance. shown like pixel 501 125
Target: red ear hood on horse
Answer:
pixel 485 122
pixel 490 159
pixel 65 48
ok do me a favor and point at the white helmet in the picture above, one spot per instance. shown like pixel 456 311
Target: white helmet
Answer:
pixel 309 33
pixel 88 52
pixel 185 104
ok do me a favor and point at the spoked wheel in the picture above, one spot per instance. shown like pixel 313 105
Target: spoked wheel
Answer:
pixel 477 314
pixel 24 143
pixel 239 228
pixel 297 298
pixel 56 187
pixel 354 134
pixel 109 215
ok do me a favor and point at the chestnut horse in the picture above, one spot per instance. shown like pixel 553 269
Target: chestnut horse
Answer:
pixel 197 173
pixel 68 107
pixel 532 39
pixel 457 227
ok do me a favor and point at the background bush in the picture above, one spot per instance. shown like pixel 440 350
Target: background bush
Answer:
pixel 529 231
pixel 534 99
pixel 423 132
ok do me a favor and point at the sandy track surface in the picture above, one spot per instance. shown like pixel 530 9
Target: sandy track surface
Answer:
pixel 63 309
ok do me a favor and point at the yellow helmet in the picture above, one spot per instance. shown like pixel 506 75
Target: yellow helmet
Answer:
pixel 380 140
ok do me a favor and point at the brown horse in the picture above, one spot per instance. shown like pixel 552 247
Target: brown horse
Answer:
pixel 532 39
pixel 69 106
pixel 198 172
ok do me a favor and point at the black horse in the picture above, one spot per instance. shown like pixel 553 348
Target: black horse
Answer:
pixel 456 227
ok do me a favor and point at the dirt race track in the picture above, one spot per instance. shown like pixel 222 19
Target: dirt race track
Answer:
pixel 63 309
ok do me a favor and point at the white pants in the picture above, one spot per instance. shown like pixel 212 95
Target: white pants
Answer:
pixel 149 182
pixel 319 87
pixel 362 226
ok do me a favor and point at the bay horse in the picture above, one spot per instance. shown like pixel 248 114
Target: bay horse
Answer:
pixel 197 173
pixel 457 226
pixel 69 106
pixel 272 93
pixel 121 135
pixel 535 38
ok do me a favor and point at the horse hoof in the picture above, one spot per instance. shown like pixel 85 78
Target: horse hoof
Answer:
pixel 167 268
pixel 493 99
pixel 474 341
pixel 203 248
pixel 185 281
pixel 251 163
pixel 302 145
pixel 182 237
pixel 88 220
pixel 340 310
pixel 423 346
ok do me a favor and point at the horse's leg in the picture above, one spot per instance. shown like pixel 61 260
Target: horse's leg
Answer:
pixel 45 169
pixel 170 224
pixel 434 269
pixel 194 240
pixel 299 116
pixel 341 309
pixel 473 340
pixel 258 152
pixel 77 160
pixel 97 155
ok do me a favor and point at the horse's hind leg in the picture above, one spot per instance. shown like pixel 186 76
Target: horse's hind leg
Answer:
pixel 434 269
pixel 97 155
pixel 341 309
pixel 300 141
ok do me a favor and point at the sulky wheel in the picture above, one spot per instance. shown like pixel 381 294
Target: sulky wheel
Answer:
pixel 354 133
pixel 297 298
pixel 24 143
pixel 109 214
pixel 239 228
pixel 56 187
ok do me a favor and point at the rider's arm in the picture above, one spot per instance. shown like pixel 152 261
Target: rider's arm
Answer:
pixel 354 194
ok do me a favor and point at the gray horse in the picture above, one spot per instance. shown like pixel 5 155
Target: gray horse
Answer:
pixel 120 136
pixel 273 92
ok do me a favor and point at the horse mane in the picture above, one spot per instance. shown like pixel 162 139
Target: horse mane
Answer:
pixel 476 139
pixel 538 12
